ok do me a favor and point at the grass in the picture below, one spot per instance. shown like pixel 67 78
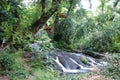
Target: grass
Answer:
pixel 47 74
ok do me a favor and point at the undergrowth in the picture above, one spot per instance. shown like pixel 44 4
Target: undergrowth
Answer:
pixel 113 71
pixel 11 66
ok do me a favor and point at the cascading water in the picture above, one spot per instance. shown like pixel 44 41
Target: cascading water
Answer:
pixel 73 63
pixel 78 62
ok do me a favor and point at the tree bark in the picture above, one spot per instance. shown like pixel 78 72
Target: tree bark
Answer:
pixel 44 17
pixel 43 5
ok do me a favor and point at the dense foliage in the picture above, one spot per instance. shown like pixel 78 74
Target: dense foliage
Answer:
pixel 9 17
pixel 63 24
pixel 11 66
pixel 113 70
pixel 99 33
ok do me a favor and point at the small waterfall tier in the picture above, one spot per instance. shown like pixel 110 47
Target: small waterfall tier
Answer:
pixel 68 62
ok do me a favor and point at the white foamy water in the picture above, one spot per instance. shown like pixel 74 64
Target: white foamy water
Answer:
pixel 68 64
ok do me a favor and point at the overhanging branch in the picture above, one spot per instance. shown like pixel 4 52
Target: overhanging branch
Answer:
pixel 44 17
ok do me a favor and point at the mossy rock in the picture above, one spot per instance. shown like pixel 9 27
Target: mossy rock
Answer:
pixel 84 60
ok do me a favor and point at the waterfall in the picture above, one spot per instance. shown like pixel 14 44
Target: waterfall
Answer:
pixel 68 62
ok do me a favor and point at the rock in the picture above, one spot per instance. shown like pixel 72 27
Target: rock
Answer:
pixel 29 54
pixel 90 53
pixel 67 63
pixel 72 62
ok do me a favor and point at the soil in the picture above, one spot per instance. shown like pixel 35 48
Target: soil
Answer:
pixel 4 77
pixel 96 77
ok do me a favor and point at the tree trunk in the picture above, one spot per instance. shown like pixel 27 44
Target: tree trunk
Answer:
pixel 43 5
pixel 44 17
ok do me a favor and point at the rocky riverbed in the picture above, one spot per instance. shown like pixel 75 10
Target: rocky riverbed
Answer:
pixel 75 61
pixel 68 62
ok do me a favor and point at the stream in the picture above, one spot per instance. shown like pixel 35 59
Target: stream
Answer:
pixel 68 62
pixel 73 62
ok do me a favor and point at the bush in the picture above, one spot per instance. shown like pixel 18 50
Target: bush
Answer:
pixel 116 47
pixel 19 75
pixel 6 61
pixel 100 36
pixel 46 75
pixel 65 31
pixel 113 70
pixel 11 66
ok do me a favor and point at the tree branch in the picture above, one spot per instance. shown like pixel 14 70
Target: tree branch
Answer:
pixel 44 17
pixel 115 4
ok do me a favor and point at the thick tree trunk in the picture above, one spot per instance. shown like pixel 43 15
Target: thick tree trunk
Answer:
pixel 44 17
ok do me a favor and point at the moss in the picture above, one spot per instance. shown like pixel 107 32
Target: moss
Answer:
pixel 84 60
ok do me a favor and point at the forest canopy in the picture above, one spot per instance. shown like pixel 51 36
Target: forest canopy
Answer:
pixel 21 20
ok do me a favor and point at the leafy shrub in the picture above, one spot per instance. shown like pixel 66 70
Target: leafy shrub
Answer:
pixel 6 61
pixel 99 36
pixel 46 75
pixel 65 31
pixel 113 70
pixel 116 47
pixel 11 66
pixel 19 75
pixel 62 45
